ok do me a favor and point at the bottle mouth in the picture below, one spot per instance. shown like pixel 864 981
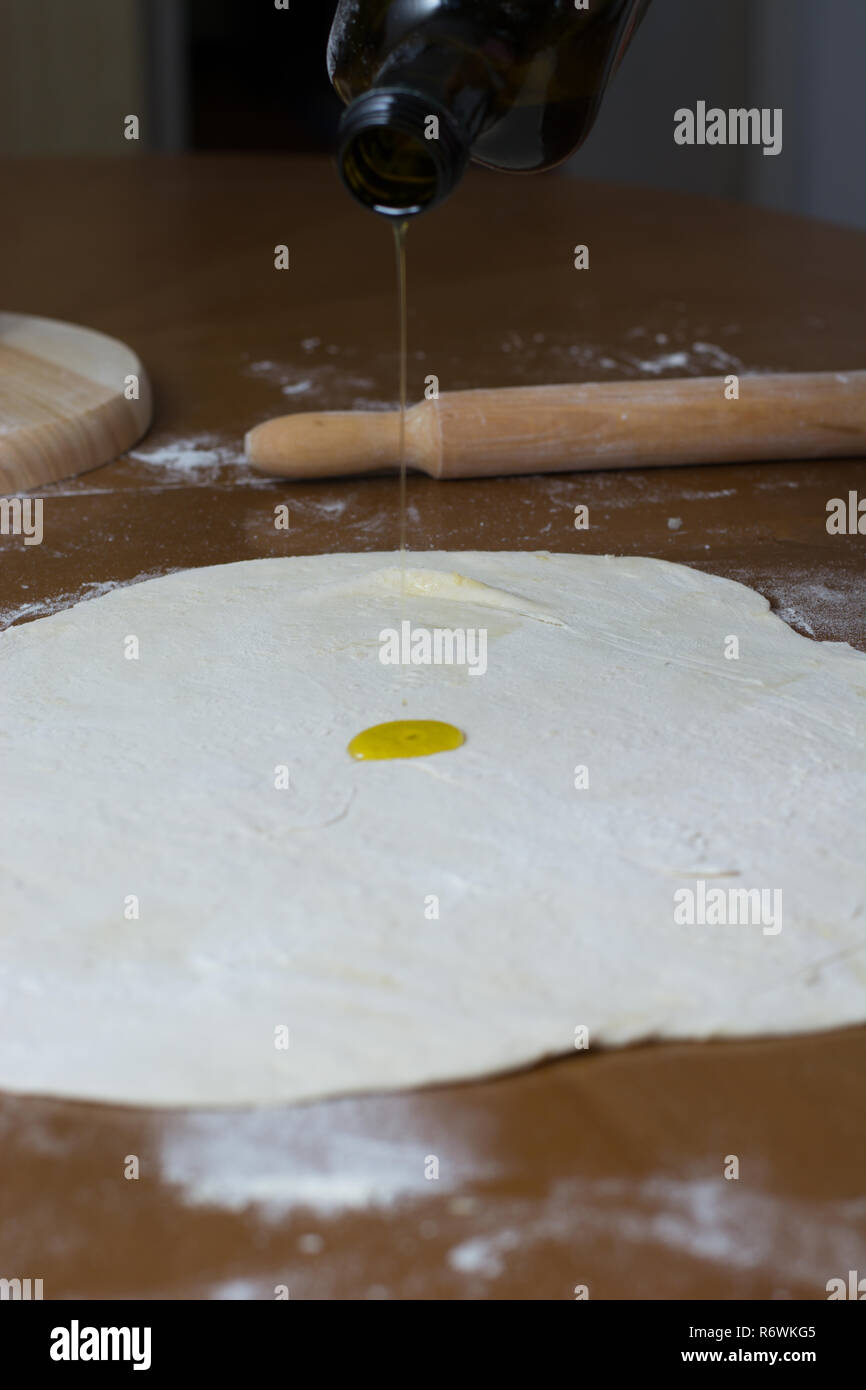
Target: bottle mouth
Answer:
pixel 397 153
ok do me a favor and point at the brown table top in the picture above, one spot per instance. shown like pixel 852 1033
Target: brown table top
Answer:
pixel 603 1169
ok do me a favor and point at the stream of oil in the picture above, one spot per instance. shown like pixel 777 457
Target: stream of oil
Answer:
pixel 400 230
pixel 403 738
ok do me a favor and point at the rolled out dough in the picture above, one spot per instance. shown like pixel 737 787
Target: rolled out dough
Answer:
pixel 429 919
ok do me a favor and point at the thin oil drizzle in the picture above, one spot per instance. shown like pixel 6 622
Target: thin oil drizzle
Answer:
pixel 400 230
pixel 403 738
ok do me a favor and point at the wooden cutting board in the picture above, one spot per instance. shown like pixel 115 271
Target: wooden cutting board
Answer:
pixel 70 399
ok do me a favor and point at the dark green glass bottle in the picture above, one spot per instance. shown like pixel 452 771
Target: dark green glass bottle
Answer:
pixel 431 84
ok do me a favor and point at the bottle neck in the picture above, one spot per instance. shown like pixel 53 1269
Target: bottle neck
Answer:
pixel 405 143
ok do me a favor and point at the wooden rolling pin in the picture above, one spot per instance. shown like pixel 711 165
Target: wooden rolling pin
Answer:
pixel 557 429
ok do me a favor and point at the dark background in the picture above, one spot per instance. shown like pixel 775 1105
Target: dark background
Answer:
pixel 257 79
pixel 239 75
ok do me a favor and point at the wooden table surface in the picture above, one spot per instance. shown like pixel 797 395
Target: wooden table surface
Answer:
pixel 603 1169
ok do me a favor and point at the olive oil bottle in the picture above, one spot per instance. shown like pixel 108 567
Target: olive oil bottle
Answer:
pixel 431 84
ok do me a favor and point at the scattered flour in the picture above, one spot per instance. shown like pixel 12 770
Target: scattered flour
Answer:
pixel 702 1218
pixel 704 496
pixel 44 608
pixel 311 1243
pixel 328 510
pixel 829 605
pixel 701 359
pixel 321 1158
pixel 196 460
pixel 315 383
pixel 538 358
pixel 237 1291
pixel 826 605
pixel 202 458
pixel 544 357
